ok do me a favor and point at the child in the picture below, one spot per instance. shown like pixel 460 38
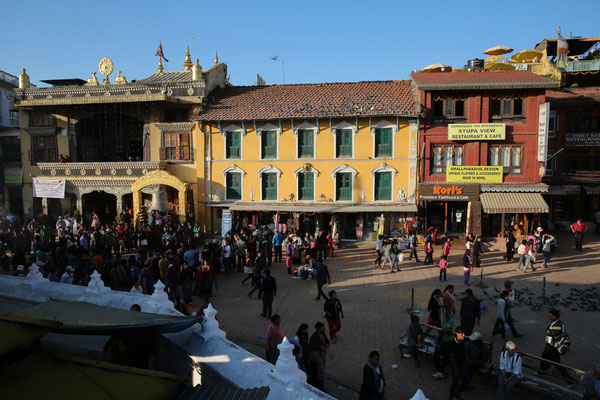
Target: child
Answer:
pixel 288 263
pixel 467 266
pixel 443 267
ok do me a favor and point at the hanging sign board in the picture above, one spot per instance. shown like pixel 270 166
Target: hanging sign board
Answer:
pixel 474 174
pixel 476 131
pixel 543 121
pixel 49 188
pixel 226 222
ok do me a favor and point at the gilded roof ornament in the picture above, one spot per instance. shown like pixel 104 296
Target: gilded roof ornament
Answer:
pixel 93 81
pixel 120 80
pixel 160 65
pixel 216 59
pixel 187 64
pixel 106 68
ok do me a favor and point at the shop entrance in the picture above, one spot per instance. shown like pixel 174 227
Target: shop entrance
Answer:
pixel 448 217
pixel 102 203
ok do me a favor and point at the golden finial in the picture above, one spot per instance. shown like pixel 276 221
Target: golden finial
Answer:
pixel 196 71
pixel 216 59
pixel 187 64
pixel 160 66
pixel 120 80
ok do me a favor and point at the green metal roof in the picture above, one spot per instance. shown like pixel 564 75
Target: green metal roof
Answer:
pixel 16 330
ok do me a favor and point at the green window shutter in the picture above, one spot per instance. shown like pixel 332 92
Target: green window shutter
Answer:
pixel 233 141
pixel 383 186
pixel 305 143
pixel 306 185
pixel 269 144
pixel 343 143
pixel 343 186
pixel 383 142
pixel 234 186
pixel 269 186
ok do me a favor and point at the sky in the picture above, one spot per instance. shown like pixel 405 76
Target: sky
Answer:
pixel 314 41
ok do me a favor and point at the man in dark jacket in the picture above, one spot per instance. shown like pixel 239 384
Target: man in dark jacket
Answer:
pixel 322 278
pixel 553 333
pixel 373 384
pixel 269 288
pixel 477 252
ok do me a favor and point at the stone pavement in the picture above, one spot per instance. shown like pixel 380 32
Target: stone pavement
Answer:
pixel 375 304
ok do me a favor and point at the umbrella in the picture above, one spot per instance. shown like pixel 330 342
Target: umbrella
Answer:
pixel 526 55
pixel 495 58
pixel 438 67
pixel 499 66
pixel 497 50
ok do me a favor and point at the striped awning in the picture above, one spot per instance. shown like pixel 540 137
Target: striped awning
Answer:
pixel 498 203
pixel 557 190
pixel 592 189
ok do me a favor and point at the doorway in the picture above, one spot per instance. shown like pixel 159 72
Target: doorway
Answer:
pixel 102 203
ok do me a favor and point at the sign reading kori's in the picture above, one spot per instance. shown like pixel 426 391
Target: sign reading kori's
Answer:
pixel 448 192
pixel 474 174
pixel 476 131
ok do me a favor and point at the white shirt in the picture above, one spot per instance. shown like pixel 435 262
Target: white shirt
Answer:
pixel 66 278
pixel 512 364
pixel 227 251
pixel 501 307
pixel 378 244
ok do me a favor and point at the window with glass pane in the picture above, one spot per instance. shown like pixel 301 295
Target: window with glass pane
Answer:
pixel 41 119
pixel 44 149
pixel 234 185
pixel 343 142
pixel 383 186
pixel 176 146
pixel 343 186
pixel 269 144
pixel 269 186
pixel 552 124
pixel 507 156
pixel 383 142
pixel 306 143
pixel 306 186
pixel 233 143
pixel 445 155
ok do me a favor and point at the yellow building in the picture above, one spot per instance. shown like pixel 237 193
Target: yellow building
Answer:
pixel 114 145
pixel 335 156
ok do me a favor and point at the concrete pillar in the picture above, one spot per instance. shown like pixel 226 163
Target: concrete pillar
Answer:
pixel 79 202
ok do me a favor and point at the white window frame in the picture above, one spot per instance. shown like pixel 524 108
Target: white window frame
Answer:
pixel 268 127
pixel 315 173
pixel 266 170
pixel 233 128
pixel 552 128
pixel 340 126
pixel 384 124
pixel 383 168
pixel 306 126
pixel 344 168
pixel 233 168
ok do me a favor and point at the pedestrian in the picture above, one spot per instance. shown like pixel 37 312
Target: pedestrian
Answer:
pixel 322 278
pixel 394 252
pixel 428 250
pixel 414 339
pixel 333 313
pixel 510 245
pixel 379 250
pixel 248 269
pixel 449 300
pixel 554 339
pixel 300 341
pixel 277 242
pixel 330 246
pixel 529 256
pixel 318 346
pixel 414 245
pixel 443 267
pixel 373 384
pixel 387 255
pixel 590 383
pixel 186 278
pixel 67 277
pixel 269 291
pixel 458 367
pixel 477 252
pixel 467 267
pixel 547 249
pixel 446 247
pixel 470 312
pixel 504 321
pixel 510 371
pixel 578 228
pixel 435 308
pixel 257 276
pixel 521 253
pixel 273 337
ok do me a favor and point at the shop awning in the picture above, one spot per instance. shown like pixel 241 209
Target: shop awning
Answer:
pixel 330 207
pixel 498 203
pixel 592 189
pixel 557 191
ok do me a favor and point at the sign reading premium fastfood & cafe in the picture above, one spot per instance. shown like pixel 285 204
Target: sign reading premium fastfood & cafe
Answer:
pixel 474 174
pixel 476 131
pixel 448 192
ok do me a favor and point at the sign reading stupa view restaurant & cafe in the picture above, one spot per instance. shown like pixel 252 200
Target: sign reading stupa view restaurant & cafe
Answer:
pixel 476 131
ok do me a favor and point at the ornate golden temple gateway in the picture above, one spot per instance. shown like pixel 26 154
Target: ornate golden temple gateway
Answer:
pixel 116 144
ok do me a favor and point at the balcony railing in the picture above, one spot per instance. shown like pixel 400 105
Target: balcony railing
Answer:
pixel 133 169
pixel 306 151
pixel 345 150
pixel 384 150
pixel 383 194
pixel 306 194
pixel 269 152
pixel 344 194
pixel 270 194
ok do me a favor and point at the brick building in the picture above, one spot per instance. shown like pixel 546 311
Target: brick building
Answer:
pixel 488 121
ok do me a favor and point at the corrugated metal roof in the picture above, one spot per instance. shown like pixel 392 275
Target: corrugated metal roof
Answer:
pixel 222 391
pixel 498 203
pixel 16 330
pixel 167 77
pixel 60 378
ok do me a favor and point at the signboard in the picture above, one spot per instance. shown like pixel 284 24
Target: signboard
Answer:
pixel 49 188
pixel 583 65
pixel 448 192
pixel 474 174
pixel 582 139
pixel 468 218
pixel 476 131
pixel 13 176
pixel 543 122
pixel 226 222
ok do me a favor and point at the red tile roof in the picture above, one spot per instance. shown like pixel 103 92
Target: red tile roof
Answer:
pixel 482 80
pixel 323 100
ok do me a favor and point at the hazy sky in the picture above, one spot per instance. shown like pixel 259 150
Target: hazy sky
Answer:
pixel 319 41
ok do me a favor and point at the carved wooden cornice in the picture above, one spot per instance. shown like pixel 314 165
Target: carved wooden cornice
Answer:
pixel 175 127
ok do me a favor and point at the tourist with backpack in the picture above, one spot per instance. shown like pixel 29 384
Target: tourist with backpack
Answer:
pixel 557 344
pixel 511 371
